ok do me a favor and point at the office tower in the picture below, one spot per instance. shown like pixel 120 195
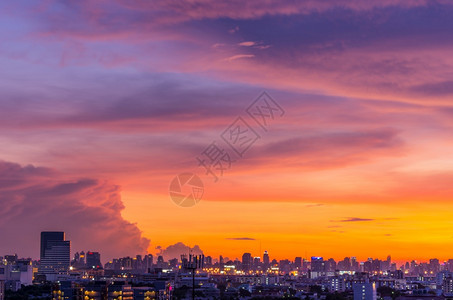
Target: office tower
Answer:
pixel 246 261
pixel 354 264
pixel 337 284
pixel 434 266
pixel 82 258
pixel 330 265
pixel 148 262
pixel 317 267
pixel 139 262
pixel 76 257
pixel 2 289
pixel 364 291
pixel 256 263
pixel 449 265
pixel 10 259
pixel 284 265
pixel 55 253
pixel 2 282
pixel 447 286
pixel 93 260
pixel 266 260
pixel 47 236
pixel 345 264
pixel 298 262
pixel 208 261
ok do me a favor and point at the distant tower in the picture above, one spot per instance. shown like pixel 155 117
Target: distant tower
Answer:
pixel 55 253
pixel 208 261
pixel 149 262
pixel 93 260
pixel 298 262
pixel 266 260
pixel 82 259
pixel 317 267
pixel 246 261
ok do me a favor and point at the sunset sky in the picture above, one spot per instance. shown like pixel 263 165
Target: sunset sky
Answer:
pixel 103 103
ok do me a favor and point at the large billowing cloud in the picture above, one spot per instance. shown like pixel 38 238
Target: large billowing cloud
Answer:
pixel 178 249
pixel 35 199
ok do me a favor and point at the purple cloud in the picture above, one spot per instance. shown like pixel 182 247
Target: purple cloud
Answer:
pixel 35 199
pixel 355 219
pixel 178 249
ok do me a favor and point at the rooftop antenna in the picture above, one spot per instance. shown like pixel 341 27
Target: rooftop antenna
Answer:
pixel 193 263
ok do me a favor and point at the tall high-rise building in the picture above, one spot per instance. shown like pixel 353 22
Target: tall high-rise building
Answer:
pixel 148 262
pixel 2 289
pixel 47 236
pixel 317 267
pixel 246 261
pixel 55 253
pixel 354 264
pixel 256 262
pixel 266 260
pixel 364 291
pixel 447 286
pixel 93 260
pixel 2 282
pixel 208 261
pixel 298 262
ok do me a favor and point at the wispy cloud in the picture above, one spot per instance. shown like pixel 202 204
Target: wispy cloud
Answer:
pixel 314 205
pixel 355 219
pixel 241 239
pixel 247 44
pixel 239 56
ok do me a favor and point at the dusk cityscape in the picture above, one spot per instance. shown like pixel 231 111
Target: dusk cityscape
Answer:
pixel 57 275
pixel 226 149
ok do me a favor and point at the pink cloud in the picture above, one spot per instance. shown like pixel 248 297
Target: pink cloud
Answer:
pixel 36 199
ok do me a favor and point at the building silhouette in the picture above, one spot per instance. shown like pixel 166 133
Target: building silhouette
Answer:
pixel 55 253
pixel 364 291
pixel 246 262
pixel 93 260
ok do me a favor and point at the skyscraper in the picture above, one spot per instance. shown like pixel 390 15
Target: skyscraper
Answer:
pixel 47 236
pixel 317 267
pixel 2 282
pixel 246 261
pixel 93 260
pixel 266 260
pixel 55 253
pixel 298 262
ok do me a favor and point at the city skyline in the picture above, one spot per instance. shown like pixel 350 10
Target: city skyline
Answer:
pixel 142 277
pixel 105 105
pixel 55 257
pixel 50 239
